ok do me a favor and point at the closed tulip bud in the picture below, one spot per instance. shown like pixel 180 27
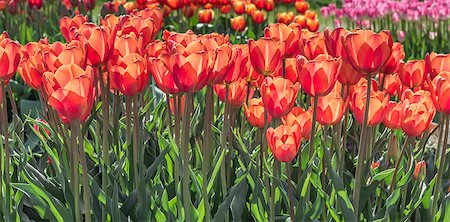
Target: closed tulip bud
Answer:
pixel 301 6
pixel 238 7
pixel 312 24
pixel 314 46
pixel 310 14
pixel 398 54
pixel 300 20
pixel 377 106
pixel 318 76
pixel 440 92
pixel 270 5
pixel 393 148
pixel 205 15
pixel 420 170
pixel 258 16
pixel 66 24
pixel 237 92
pixel 278 95
pixel 299 117
pixel 238 23
pixel 368 51
pixel 35 3
pixel 418 112
pixel 330 109
pixel 437 63
pixel 12 7
pixel 393 117
pixel 412 73
pixel 250 8
pixel 254 112
pixel 130 75
pixel 265 55
pixel 284 142
pixel 9 58
pixel 375 165
pixel 290 36
pixel 70 92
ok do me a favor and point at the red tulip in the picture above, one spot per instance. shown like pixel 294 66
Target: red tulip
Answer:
pixel 301 6
pixel 412 73
pixel 70 92
pixel 398 54
pixel 66 24
pixel 278 95
pixel 330 109
pixel 130 75
pixel 437 63
pixel 391 84
pixel 258 16
pixel 220 63
pixel 238 23
pixel 347 74
pixel 334 43
pixel 418 112
pixel 9 58
pixel 265 55
pixel 237 92
pixel 314 46
pixel 254 112
pixel 163 78
pixel 238 7
pixel 284 142
pixel 205 15
pixel 59 54
pixel 393 116
pixel 440 92
pixel 35 3
pixel 299 117
pixel 312 24
pixel 420 170
pixel 318 76
pixel 291 69
pixel 239 66
pixel 155 48
pixel 368 51
pixel 100 43
pixel 377 107
pixel 290 36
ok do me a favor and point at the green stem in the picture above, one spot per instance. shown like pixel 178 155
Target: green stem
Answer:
pixel 136 139
pixel 7 197
pixel 129 136
pixel 397 164
pixel 75 171
pixel 223 138
pixel 290 191
pixel 105 137
pixel 272 193
pixel 185 156
pixel 362 151
pixel 177 141
pixel 86 191
pixel 313 127
pixel 209 111
pixel 437 186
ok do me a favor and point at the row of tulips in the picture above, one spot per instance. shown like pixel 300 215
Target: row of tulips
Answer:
pixel 287 82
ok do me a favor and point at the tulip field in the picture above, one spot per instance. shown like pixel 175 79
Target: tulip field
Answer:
pixel 224 110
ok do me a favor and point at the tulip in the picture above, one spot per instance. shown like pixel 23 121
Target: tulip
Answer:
pixel 301 6
pixel 291 69
pixel 190 71
pixel 58 55
pixel 314 46
pixel 258 16
pixel 398 54
pixel 100 43
pixel 412 73
pixel 238 23
pixel 299 117
pixel 155 48
pixel 145 28
pixel 240 64
pixel 300 20
pixel 130 75
pixel 334 43
pixel 393 116
pixel 162 76
pixel 35 3
pixel 436 63
pixel 9 58
pixel 368 51
pixel 318 76
pixel 347 74
pixel 312 24
pixel 391 83
pixel 419 170
pixel 417 115
pixel 330 109
pixel 265 55
pixel 270 5
pixel 238 7
pixel 254 111
pixel 278 95
pixel 70 92
pixel 377 106
pixel 440 92
pixel 205 15
pixel 37 128
pixel 285 17
pixel 237 92
pixel 290 37
pixel 375 165
pixel 310 14
pixel 221 63
pixel 67 24
pixel 284 142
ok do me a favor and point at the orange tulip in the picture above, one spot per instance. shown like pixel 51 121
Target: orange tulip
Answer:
pixel 181 38
pixel 393 116
pixel 239 65
pixel 440 92
pixel 190 69
pixel 238 7
pixel 299 117
pixel 130 75
pixel 291 70
pixel 155 48
pixel 238 23
pixel 312 24
pixel 347 74
pixel 420 170
pixel 318 76
pixel 314 46
pixel 250 8
pixel 412 73
pixel 31 66
pixel 398 54
pixel 334 43
pixel 301 7
pixel 368 51
pixel 59 54
pixel 290 37
pixel 284 142
pixel 377 107
pixel 300 20
pixel 237 92
pixel 70 92
pixel 145 28
pixel 310 14
pixel 265 55
pixel 418 112
pixel 436 63
pixel 258 16
pixel 330 109
pixel 391 83
pixel 375 165
pixel 100 43
pixel 220 63
pixel 163 78
pixel 205 15
pixel 285 17
pixel 278 95
pixel 254 112
pixel 66 25
pixel 154 14
pixel 9 58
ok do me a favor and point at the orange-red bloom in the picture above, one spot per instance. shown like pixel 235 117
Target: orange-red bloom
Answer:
pixel 347 74
pixel 393 117
pixel 440 92
pixel 66 25
pixel 9 58
pixel 254 112
pixel 318 76
pixel 420 170
pixel 398 54
pixel 330 109
pixel 418 112
pixel 237 92
pixel 100 43
pixel 240 64
pixel 265 55
pixel 238 23
pixel 290 37
pixel 278 95
pixel 70 91
pixel 300 117
pixel 436 63
pixel 205 15
pixel 368 51
pixel 60 54
pixel 301 6
pixel 334 43
pixel 238 7
pixel 313 46
pixel 412 73
pixel 130 75
pixel 377 106
pixel 258 16
pixel 391 83
pixel 163 78
pixel 284 142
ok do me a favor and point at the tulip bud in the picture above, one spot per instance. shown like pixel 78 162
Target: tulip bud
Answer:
pixel 375 165
pixel 393 148
pixel 12 7
pixel 420 170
